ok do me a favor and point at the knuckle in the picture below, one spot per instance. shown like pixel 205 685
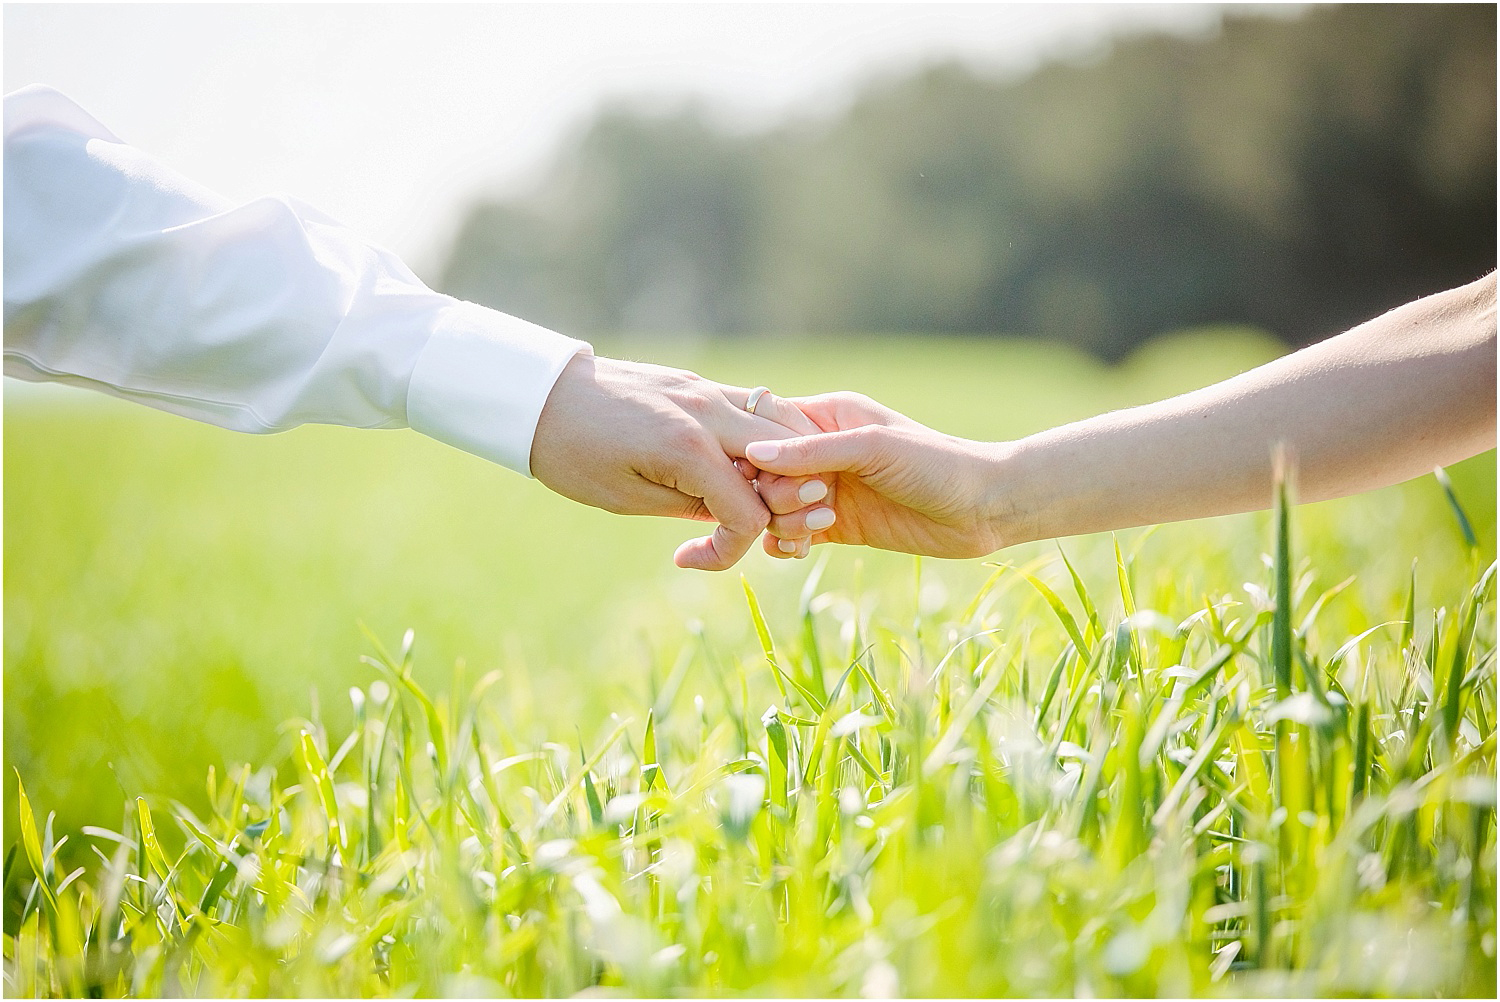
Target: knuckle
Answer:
pixel 783 527
pixel 682 438
pixel 752 519
pixel 796 449
pixel 782 503
pixel 695 403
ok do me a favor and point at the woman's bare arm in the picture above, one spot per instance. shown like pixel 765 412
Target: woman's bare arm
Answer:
pixel 1379 404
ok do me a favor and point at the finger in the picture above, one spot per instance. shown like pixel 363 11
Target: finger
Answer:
pixel 747 469
pixel 856 451
pixel 731 501
pixel 789 496
pixel 784 495
pixel 771 407
pixel 774 418
pixel 785 413
pixel 844 410
pixel 786 549
pixel 802 524
pixel 718 551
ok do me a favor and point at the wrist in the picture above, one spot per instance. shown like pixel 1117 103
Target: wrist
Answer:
pixel 1006 509
pixel 482 379
pixel 553 457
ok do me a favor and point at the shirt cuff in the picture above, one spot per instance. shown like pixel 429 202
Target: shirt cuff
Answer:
pixel 481 380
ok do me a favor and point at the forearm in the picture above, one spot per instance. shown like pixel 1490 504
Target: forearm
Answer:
pixel 1382 403
pixel 125 277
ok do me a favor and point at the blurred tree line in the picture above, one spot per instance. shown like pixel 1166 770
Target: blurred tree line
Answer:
pixel 1296 175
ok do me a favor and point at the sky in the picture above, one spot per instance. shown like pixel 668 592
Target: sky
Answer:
pixel 394 118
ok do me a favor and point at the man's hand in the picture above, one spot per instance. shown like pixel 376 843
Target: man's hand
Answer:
pixel 640 439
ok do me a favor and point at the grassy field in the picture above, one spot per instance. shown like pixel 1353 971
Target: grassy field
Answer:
pixel 570 780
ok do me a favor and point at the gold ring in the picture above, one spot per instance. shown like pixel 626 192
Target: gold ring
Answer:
pixel 754 399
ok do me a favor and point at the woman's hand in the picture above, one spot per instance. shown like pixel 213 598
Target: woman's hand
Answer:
pixel 900 485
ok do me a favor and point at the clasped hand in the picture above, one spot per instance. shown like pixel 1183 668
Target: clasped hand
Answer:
pixel 633 438
pixel 1381 403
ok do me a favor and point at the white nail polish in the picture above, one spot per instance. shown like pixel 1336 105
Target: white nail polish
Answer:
pixel 763 451
pixel 786 546
pixel 813 490
pixel 820 518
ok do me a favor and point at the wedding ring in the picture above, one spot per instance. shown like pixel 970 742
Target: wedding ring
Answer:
pixel 755 396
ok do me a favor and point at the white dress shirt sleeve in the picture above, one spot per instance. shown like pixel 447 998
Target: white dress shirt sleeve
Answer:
pixel 123 276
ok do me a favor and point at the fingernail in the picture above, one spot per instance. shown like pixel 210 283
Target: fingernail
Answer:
pixel 813 490
pixel 763 451
pixel 820 518
pixel 786 545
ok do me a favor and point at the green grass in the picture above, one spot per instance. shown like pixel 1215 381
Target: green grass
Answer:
pixel 1266 780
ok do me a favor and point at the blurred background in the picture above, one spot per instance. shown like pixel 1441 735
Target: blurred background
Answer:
pixel 1298 175
pixel 993 217
pixel 1089 174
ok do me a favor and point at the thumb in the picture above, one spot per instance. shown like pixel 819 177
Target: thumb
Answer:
pixel 854 451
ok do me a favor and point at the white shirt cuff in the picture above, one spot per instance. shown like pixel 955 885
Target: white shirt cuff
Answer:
pixel 481 380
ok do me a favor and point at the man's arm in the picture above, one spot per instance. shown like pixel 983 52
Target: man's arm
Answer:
pixel 125 277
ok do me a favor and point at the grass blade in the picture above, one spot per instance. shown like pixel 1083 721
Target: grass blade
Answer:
pixel 1281 624
pixel 1096 629
pixel 322 784
pixel 1060 610
pixel 33 846
pixel 651 775
pixel 1464 526
pixel 778 762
